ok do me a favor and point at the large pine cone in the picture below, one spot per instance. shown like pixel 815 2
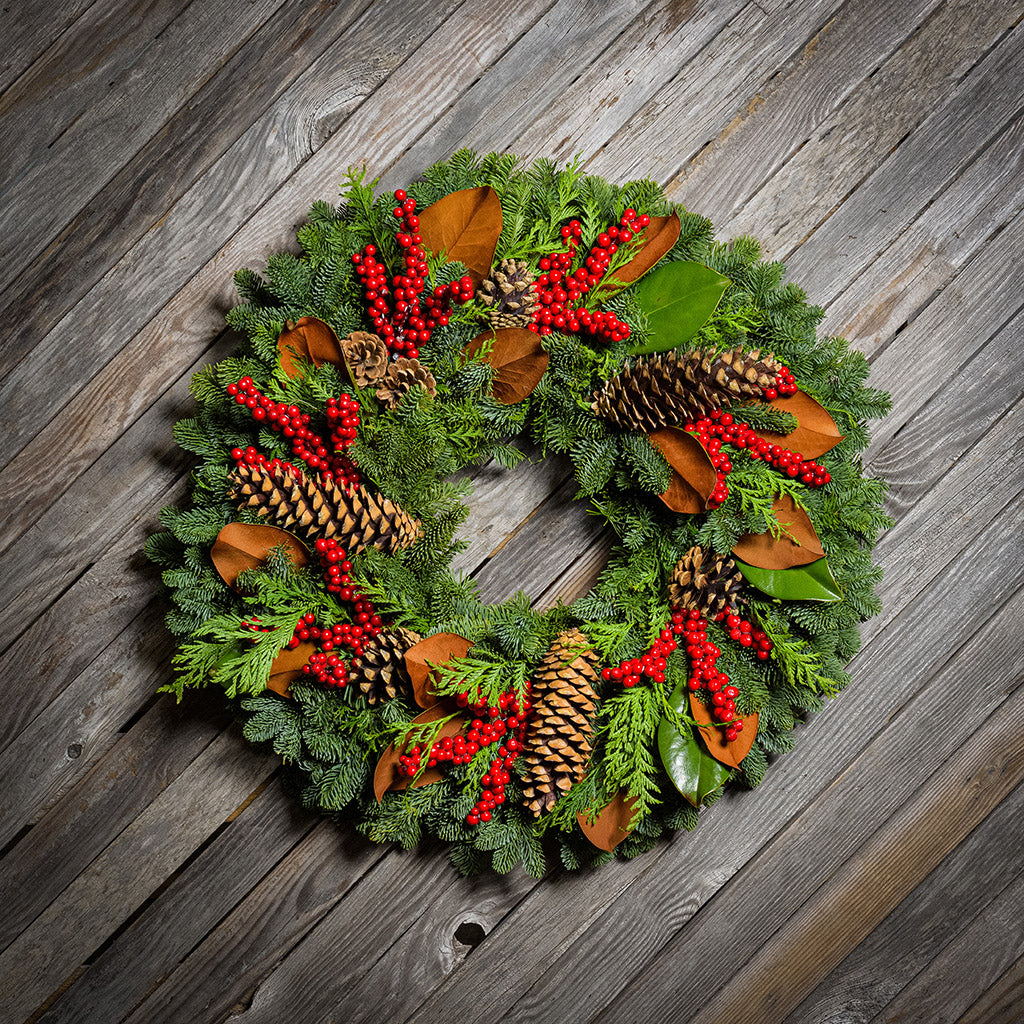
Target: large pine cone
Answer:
pixel 666 389
pixel 509 294
pixel 358 519
pixel 706 581
pixel 366 356
pixel 381 673
pixel 402 375
pixel 557 743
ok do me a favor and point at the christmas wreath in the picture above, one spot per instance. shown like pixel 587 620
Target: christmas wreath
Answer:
pixel 421 332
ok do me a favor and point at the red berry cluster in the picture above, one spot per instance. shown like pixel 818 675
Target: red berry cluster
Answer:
pixel 746 633
pixel 395 309
pixel 703 673
pixel 292 423
pixel 720 428
pixel 251 457
pixel 502 724
pixel 651 663
pixel 560 288
pixel 703 664
pixel 343 419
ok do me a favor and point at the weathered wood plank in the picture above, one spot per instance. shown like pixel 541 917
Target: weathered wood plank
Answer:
pixel 117 790
pixel 30 29
pixel 945 427
pixel 935 151
pixel 794 780
pixel 972 308
pixel 950 803
pixel 697 105
pixel 919 80
pixel 616 74
pixel 196 900
pixel 128 871
pixel 74 71
pixel 897 285
pixel 76 162
pixel 969 880
pixel 154 179
pixel 779 119
pixel 1002 1003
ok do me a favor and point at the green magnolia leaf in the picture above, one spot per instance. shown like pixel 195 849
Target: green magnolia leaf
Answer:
pixel 812 582
pixel 678 298
pixel 693 771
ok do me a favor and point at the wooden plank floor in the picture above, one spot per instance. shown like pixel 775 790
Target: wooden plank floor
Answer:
pixel 152 866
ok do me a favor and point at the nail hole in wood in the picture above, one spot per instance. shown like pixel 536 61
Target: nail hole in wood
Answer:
pixel 469 933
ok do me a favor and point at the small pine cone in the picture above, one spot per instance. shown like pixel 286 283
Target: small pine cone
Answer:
pixel 402 375
pixel 381 673
pixel 647 394
pixel 358 519
pixel 366 356
pixel 666 388
pixel 734 375
pixel 705 581
pixel 558 738
pixel 509 294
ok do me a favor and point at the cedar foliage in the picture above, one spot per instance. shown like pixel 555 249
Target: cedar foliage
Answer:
pixel 333 738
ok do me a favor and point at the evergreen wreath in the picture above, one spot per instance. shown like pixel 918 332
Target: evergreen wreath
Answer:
pixel 706 423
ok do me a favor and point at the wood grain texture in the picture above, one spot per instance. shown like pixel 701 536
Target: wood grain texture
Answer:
pixel 153 866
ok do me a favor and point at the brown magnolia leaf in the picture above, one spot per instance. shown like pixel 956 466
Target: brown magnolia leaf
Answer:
pixel 465 227
pixel 241 546
pixel 729 752
pixel 816 431
pixel 518 360
pixel 611 825
pixel 799 544
pixel 693 475
pixel 309 339
pixel 287 667
pixel 658 237
pixel 438 649
pixel 387 778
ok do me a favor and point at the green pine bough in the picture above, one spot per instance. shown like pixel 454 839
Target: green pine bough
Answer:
pixel 642 745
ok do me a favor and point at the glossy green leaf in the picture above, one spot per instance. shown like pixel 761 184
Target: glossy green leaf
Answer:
pixel 693 771
pixel 812 582
pixel 678 298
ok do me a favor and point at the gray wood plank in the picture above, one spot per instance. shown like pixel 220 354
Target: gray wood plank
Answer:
pixel 969 880
pixel 900 283
pixel 846 147
pixel 975 306
pixel 964 971
pixel 866 888
pixel 1002 1003
pixel 127 872
pixel 196 899
pixel 28 30
pixel 174 58
pixel 252 78
pixel 780 118
pixel 117 790
pixel 904 184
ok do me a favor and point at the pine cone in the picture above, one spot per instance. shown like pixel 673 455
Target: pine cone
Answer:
pixel 358 519
pixel 380 672
pixel 706 581
pixel 509 294
pixel 402 375
pixel 557 743
pixel 666 389
pixel 366 356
